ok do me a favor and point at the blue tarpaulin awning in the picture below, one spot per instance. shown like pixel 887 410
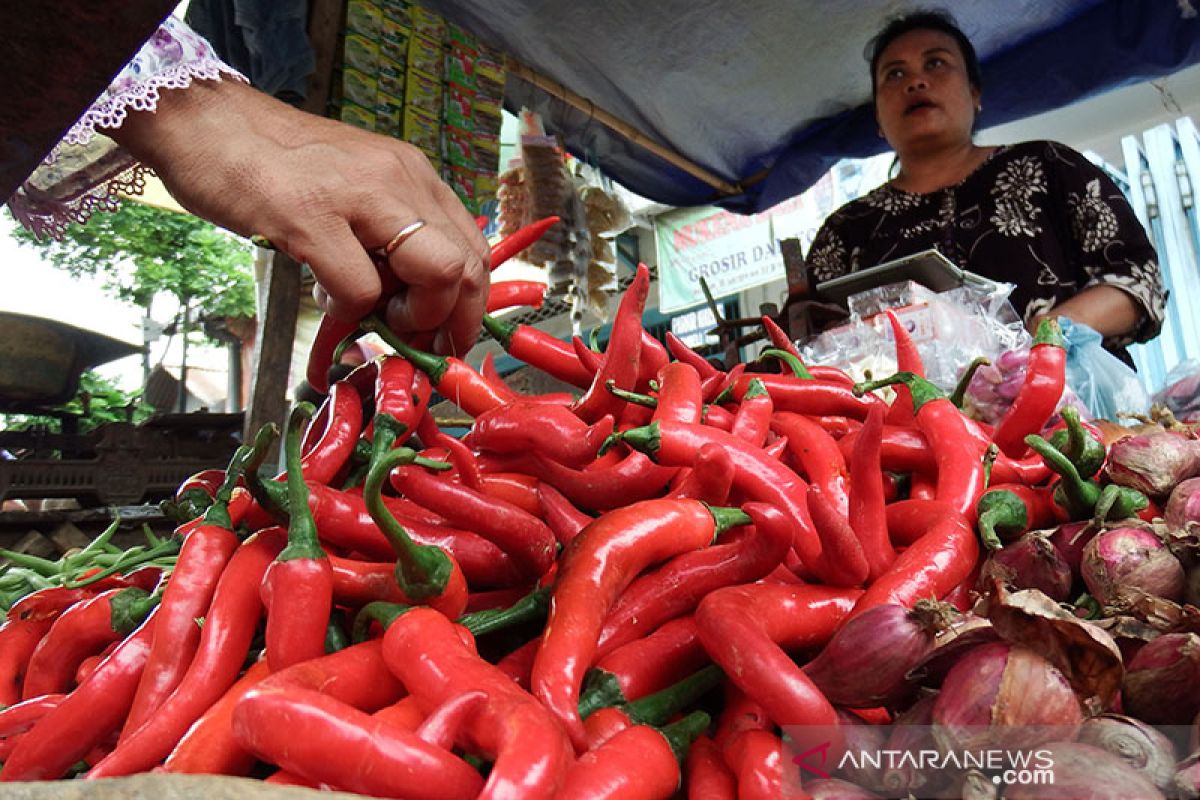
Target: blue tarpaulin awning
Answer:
pixel 768 95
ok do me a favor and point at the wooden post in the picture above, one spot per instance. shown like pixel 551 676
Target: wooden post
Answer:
pixel 280 293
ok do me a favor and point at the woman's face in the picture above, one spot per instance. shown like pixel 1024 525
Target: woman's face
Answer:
pixel 922 96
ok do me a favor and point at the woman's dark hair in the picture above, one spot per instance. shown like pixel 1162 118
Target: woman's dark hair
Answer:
pixel 926 20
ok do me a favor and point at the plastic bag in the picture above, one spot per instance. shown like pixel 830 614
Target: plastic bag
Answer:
pixel 1105 385
pixel 1181 391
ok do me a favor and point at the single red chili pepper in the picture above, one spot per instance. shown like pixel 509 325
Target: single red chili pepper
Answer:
pixel 679 393
pixel 747 629
pixel 540 350
pixel 507 294
pixel 208 747
pixel 677 587
pixel 908 359
pixel 1045 378
pixel 930 567
pixel 602 561
pixel 453 378
pixel 402 392
pixel 224 642
pixel 517 532
pixel 356 582
pixel 633 478
pixel 681 352
pixel 338 425
pixel 756 759
pixel 959 455
pixel 760 477
pixel 205 553
pixel 82 630
pixel 1007 510
pixel 47 603
pixel 18 639
pixel 705 775
pixel 520 239
pixel 644 666
pixel 817 453
pixel 868 511
pixel 637 763
pixel 710 479
pixel 815 397
pixel 86 717
pixel 330 333
pixel 778 337
pixel 560 514
pixel 297 588
pixel 530 754
pixel 552 431
pixel 839 542
pixel 752 420
pixel 622 359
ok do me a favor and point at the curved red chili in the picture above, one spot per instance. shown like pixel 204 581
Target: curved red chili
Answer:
pixel 929 567
pixel 540 350
pixel 507 294
pixel 560 514
pixel 815 397
pixel 868 511
pixel 908 359
pixel 82 630
pixel 637 763
pixel 1045 378
pixel 552 431
pixel 958 454
pixel 677 587
pixel 653 358
pixel 682 352
pixel 339 424
pixel 747 629
pixel 208 747
pixel 520 239
pixel 752 420
pixel 710 479
pixel 644 666
pixel 529 751
pixel 635 477
pixel 330 333
pixel 623 357
pixel 817 453
pixel 600 563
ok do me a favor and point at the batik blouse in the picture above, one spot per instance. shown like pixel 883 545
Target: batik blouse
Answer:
pixel 1037 214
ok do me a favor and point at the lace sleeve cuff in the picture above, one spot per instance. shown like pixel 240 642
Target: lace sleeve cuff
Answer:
pixel 87 171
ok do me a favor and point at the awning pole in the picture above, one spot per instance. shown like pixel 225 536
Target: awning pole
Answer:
pixel 620 126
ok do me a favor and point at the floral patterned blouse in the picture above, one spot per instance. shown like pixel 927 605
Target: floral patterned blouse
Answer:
pixel 87 171
pixel 1037 214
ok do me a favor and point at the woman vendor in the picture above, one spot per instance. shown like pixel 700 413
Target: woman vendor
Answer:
pixel 1037 214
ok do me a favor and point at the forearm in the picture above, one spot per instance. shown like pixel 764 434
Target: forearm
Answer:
pixel 1106 309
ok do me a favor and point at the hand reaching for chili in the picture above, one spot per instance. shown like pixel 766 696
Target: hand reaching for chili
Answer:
pixel 327 194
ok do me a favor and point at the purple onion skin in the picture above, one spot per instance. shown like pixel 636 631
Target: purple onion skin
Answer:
pixel 911 733
pixel 1031 562
pixel 1085 771
pixel 1162 681
pixel 1130 560
pixel 865 663
pixel 1143 747
pixel 1070 538
pixel 1004 695
pixel 860 737
pixel 1153 463
pixel 1184 505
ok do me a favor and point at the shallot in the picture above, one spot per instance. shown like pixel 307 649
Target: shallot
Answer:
pixel 1031 562
pixel 1122 562
pixel 1153 463
pixel 1141 746
pixel 1184 505
pixel 1161 679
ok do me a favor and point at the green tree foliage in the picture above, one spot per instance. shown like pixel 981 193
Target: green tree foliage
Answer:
pixel 97 402
pixel 139 251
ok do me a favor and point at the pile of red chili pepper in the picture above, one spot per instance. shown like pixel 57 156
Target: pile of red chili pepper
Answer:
pixel 609 594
